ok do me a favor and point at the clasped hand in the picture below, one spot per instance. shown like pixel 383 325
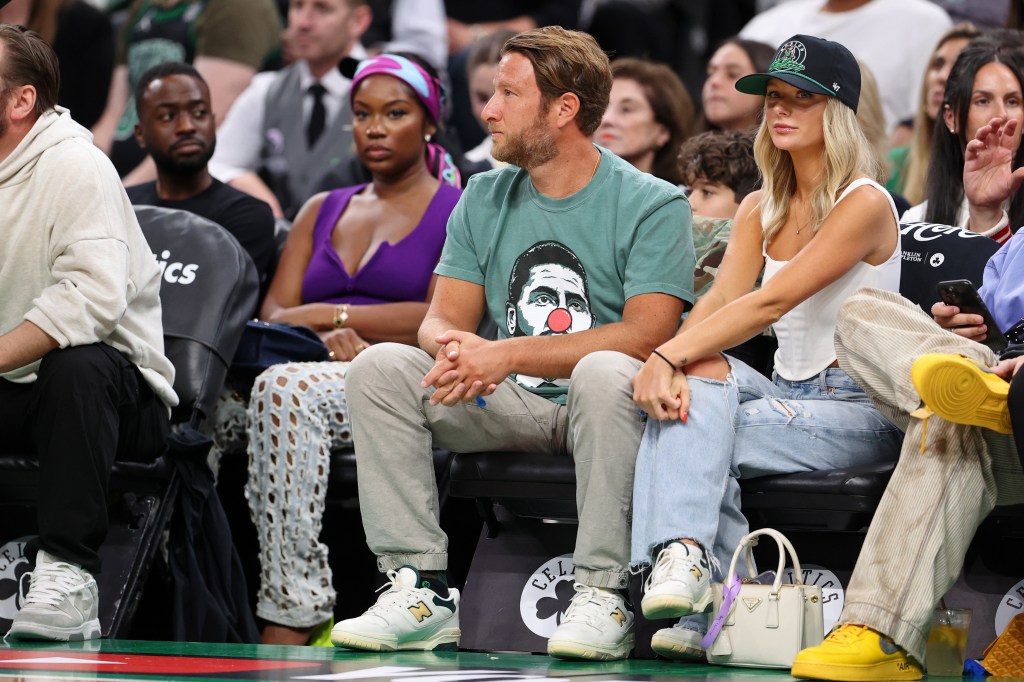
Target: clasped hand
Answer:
pixel 467 367
pixel 660 391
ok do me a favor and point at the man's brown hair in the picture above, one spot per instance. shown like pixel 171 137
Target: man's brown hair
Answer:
pixel 28 60
pixel 723 156
pixel 567 61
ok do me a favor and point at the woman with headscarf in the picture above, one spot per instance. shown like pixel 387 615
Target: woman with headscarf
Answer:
pixel 358 269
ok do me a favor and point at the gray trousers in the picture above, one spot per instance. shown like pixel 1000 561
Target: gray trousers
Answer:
pixel 949 476
pixel 395 428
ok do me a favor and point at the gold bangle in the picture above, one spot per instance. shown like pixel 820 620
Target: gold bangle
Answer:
pixel 340 315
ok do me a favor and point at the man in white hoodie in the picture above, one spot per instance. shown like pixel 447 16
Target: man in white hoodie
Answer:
pixel 83 377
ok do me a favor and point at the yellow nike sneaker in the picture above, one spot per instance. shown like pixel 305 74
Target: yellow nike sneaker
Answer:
pixel 856 653
pixel 962 391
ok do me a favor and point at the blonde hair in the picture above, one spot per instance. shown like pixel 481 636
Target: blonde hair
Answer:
pixel 913 184
pixel 871 118
pixel 846 153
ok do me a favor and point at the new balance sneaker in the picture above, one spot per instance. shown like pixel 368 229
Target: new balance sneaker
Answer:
pixel 681 642
pixel 406 617
pixel 597 626
pixel 61 605
pixel 855 652
pixel 680 583
pixel 962 391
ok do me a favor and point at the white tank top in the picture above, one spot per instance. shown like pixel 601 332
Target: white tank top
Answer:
pixel 805 333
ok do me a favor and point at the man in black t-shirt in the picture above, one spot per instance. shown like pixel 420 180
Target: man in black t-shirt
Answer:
pixel 177 127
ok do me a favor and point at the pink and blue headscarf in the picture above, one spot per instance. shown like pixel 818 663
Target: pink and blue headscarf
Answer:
pixel 430 93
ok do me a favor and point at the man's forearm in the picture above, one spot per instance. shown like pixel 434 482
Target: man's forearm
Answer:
pixel 556 356
pixel 23 345
pixel 430 329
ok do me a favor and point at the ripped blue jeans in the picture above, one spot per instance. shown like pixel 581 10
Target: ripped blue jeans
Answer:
pixel 687 475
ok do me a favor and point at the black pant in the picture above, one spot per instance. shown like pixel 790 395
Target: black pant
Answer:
pixel 88 406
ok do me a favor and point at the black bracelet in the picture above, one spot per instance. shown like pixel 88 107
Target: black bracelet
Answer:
pixel 670 363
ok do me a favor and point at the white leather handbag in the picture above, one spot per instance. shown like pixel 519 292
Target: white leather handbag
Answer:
pixel 763 626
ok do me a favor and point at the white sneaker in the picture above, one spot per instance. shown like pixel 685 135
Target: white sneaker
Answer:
pixel 405 617
pixel 678 643
pixel 62 603
pixel 597 625
pixel 680 583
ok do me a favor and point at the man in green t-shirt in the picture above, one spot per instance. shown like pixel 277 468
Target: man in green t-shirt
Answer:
pixel 586 264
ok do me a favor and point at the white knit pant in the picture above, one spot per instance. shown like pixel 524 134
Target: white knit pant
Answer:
pixel 297 414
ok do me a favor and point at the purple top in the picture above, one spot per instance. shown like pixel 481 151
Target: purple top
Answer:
pixel 396 272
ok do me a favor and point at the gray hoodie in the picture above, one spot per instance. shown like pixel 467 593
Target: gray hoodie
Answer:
pixel 73 259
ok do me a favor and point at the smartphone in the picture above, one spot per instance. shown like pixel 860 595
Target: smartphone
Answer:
pixel 962 294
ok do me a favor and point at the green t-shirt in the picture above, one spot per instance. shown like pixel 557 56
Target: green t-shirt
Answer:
pixel 558 266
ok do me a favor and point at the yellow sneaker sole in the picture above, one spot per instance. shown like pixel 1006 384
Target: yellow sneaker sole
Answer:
pixel 961 391
pixel 886 670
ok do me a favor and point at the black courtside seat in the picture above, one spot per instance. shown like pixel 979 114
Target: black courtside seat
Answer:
pixel 543 486
pixel 209 289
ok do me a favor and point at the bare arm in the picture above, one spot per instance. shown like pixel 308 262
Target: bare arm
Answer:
pixel 469 366
pixel 860 227
pixel 382 322
pixel 117 98
pixel 227 79
pixel 856 228
pixel 253 185
pixel 23 345
pixel 741 264
pixel 456 305
pixel 461 36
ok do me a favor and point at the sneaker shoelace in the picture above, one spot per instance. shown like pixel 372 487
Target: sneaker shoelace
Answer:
pixel 394 595
pixel 590 604
pixel 52 583
pixel 671 565
pixel 846 634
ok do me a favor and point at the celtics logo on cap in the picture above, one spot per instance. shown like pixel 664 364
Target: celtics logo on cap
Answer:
pixel 790 57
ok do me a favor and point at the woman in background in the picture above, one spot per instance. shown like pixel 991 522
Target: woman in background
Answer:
pixel 986 82
pixel 649 115
pixel 910 162
pixel 724 107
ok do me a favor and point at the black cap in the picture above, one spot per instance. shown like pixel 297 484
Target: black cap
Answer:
pixel 811 64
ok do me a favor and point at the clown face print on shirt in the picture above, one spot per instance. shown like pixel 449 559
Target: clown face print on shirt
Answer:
pixel 547 295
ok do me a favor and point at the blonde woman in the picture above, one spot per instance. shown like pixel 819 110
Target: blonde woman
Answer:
pixel 820 228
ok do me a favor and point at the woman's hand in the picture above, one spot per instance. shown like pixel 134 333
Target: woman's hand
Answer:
pixel 1008 369
pixel 967 325
pixel 989 178
pixel 661 392
pixel 343 344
